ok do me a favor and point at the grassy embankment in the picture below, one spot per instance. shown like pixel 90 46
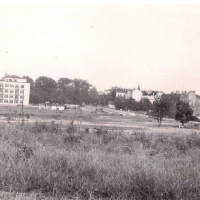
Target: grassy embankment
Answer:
pixel 98 165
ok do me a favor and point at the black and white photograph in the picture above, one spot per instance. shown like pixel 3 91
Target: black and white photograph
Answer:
pixel 99 100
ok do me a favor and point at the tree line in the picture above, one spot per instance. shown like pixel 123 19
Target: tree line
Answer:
pixel 76 91
pixel 132 105
pixel 63 91
pixel 167 105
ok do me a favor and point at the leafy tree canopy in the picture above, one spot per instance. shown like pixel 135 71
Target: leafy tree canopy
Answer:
pixel 63 91
pixel 161 108
pixel 131 104
pixel 184 112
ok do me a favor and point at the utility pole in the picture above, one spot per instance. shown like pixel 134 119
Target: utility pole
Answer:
pixel 23 105
pixel 99 100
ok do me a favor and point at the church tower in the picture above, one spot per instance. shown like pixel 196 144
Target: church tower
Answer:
pixel 138 86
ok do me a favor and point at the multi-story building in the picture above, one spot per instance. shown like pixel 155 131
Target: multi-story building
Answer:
pixel 189 97
pixel 14 90
pixel 136 94
pixel 193 100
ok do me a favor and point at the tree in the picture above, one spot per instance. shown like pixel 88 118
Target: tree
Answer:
pixel 183 112
pixel 131 104
pixel 65 90
pixel 107 98
pixel 135 105
pixel 160 108
pixel 63 83
pixel 81 90
pixel 113 94
pixel 172 100
pixel 145 105
pixel 93 95
pixel 120 104
pixel 45 89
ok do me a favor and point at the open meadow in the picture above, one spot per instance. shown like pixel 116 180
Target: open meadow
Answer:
pixel 80 154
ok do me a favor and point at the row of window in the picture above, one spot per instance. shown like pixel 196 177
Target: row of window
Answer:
pixel 10 101
pixel 11 85
pixel 10 80
pixel 11 96
pixel 120 95
pixel 11 91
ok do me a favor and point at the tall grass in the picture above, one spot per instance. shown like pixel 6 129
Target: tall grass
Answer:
pixel 98 165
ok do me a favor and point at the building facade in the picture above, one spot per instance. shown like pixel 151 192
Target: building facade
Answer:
pixel 193 100
pixel 135 94
pixel 189 97
pixel 14 90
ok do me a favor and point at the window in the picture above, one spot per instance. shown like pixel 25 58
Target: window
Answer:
pixel 10 101
pixel 16 86
pixel 1 85
pixel 16 101
pixel 6 85
pixel 5 101
pixel 16 96
pixel 5 96
pixel 11 91
pixel 6 91
pixel 22 91
pixel 11 96
pixel 21 97
pixel 21 101
pixel 22 86
pixel 11 85
pixel 10 79
pixel 1 100
pixel 1 90
pixel 16 91
pixel 1 95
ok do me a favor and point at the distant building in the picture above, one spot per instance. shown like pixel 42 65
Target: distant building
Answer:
pixel 14 90
pixel 100 93
pixel 189 97
pixel 193 100
pixel 123 92
pixel 149 94
pixel 50 106
pixel 136 94
pixel 108 91
pixel 197 106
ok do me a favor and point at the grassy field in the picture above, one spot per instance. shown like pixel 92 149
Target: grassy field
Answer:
pixel 103 155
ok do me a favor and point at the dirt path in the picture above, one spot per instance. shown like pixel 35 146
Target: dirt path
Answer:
pixel 112 119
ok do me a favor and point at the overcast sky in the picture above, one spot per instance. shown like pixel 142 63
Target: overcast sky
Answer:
pixel 108 45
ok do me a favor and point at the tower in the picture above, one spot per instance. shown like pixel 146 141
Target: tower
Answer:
pixel 138 86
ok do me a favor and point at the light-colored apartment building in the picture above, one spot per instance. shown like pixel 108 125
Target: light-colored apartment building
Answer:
pixel 14 90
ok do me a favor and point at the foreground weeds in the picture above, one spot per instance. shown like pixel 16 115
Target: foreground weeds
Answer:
pixel 97 164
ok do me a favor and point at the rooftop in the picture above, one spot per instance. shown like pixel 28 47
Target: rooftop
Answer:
pixel 11 76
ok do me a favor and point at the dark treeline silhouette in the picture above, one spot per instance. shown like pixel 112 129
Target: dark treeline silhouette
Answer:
pixel 131 104
pixel 63 91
